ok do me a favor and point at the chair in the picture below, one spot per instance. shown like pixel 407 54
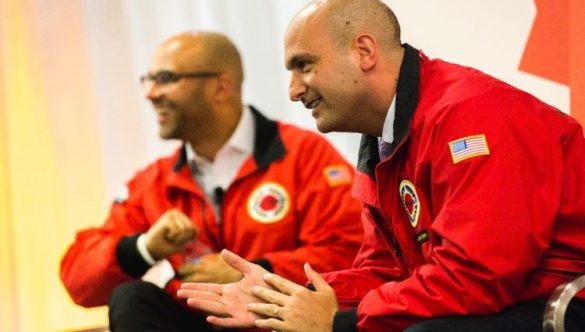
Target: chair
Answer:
pixel 554 312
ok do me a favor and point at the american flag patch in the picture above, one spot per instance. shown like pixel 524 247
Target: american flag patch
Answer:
pixel 337 175
pixel 468 147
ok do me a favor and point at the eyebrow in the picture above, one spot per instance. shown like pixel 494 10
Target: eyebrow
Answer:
pixel 296 60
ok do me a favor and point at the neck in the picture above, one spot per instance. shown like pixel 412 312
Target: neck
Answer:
pixel 207 141
pixel 384 90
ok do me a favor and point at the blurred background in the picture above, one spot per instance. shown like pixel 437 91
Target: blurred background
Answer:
pixel 74 125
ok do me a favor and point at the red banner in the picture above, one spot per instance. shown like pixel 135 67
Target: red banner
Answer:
pixel 556 48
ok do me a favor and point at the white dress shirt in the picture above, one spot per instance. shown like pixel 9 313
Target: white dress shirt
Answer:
pixel 388 129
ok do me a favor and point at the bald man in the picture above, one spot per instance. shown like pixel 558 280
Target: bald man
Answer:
pixel 472 191
pixel 269 191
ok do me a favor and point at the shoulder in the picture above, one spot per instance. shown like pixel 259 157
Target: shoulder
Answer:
pixel 294 135
pixel 153 174
pixel 451 93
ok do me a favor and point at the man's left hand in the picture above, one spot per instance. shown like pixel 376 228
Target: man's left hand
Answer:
pixel 294 308
pixel 210 269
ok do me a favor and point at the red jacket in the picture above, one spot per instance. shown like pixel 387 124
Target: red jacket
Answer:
pixel 479 206
pixel 302 212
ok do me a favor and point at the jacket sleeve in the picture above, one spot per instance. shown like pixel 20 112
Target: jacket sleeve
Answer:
pixel 90 269
pixel 494 219
pixel 328 218
pixel 373 265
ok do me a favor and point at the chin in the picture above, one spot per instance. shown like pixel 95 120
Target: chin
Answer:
pixel 324 126
pixel 167 135
pixel 326 120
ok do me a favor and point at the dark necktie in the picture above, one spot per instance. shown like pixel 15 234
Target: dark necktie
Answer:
pixel 383 149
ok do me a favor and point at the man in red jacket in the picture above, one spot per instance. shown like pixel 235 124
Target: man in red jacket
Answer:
pixel 269 191
pixel 472 191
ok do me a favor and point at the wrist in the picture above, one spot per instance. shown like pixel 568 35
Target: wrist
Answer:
pixel 129 258
pixel 143 250
pixel 345 320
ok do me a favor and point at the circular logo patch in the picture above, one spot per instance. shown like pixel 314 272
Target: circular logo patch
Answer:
pixel 410 201
pixel 269 203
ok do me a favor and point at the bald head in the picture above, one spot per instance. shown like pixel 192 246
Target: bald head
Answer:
pixel 344 57
pixel 345 19
pixel 205 51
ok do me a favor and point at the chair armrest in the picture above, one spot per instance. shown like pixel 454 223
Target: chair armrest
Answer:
pixel 554 312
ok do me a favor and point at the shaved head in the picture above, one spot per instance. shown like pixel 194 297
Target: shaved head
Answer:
pixel 346 19
pixel 207 51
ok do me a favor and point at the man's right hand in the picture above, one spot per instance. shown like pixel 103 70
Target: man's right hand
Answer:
pixel 228 303
pixel 170 234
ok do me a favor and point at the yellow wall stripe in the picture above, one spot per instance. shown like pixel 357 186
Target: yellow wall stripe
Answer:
pixel 50 159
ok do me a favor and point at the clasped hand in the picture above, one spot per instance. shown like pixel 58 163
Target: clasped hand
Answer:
pixel 265 300
pixel 170 234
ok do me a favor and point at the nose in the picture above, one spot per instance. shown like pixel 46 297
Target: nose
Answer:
pixel 296 88
pixel 152 91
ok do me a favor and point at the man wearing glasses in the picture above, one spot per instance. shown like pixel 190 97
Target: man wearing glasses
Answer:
pixel 239 181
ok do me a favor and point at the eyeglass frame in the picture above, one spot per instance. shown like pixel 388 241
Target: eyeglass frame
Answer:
pixel 173 77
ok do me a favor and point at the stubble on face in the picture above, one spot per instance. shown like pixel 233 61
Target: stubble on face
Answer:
pixel 169 122
pixel 181 105
pixel 329 84
pixel 337 111
pixel 183 110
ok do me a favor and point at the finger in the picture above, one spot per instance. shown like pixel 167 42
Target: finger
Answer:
pixel 187 269
pixel 200 277
pixel 270 324
pixel 315 278
pixel 236 261
pixel 183 237
pixel 265 309
pixel 212 307
pixel 269 296
pixel 179 222
pixel 198 295
pixel 183 223
pixel 283 285
pixel 205 287
pixel 226 322
pixel 171 232
pixel 210 258
pixel 187 226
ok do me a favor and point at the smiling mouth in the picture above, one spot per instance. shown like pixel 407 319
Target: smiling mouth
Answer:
pixel 162 117
pixel 313 104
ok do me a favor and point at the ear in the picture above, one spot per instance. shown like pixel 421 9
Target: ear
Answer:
pixel 367 49
pixel 222 86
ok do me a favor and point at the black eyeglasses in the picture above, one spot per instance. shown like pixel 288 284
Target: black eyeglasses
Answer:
pixel 167 77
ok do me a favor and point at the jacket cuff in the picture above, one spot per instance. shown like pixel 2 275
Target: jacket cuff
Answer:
pixel 129 258
pixel 345 320
pixel 264 263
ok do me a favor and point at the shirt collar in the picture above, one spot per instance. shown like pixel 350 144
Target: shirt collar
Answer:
pixel 243 137
pixel 388 129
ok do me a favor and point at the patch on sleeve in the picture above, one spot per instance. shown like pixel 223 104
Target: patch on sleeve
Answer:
pixel 121 195
pixel 468 147
pixel 337 175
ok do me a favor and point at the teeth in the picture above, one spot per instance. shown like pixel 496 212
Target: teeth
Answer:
pixel 313 104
